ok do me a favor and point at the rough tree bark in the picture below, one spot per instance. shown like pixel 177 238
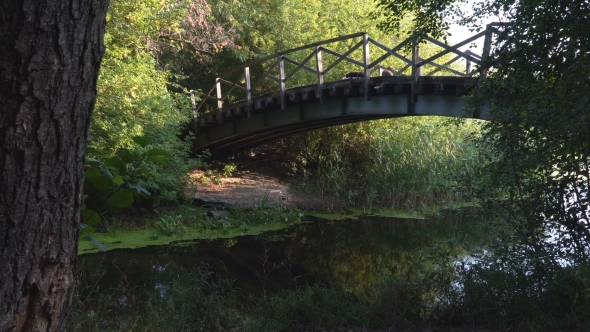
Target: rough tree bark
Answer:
pixel 50 52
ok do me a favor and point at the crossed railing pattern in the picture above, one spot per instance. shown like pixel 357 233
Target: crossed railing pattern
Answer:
pixel 274 67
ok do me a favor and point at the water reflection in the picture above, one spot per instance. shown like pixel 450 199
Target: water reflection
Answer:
pixel 349 253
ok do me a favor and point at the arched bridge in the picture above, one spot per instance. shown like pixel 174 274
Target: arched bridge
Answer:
pixel 256 105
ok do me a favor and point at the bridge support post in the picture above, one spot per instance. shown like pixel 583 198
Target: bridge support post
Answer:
pixel 248 92
pixel 282 80
pixel 194 106
pixel 318 59
pixel 219 100
pixel 487 44
pixel 367 63
pixel 416 71
pixel 483 73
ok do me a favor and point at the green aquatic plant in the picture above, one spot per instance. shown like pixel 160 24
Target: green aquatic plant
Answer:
pixel 170 225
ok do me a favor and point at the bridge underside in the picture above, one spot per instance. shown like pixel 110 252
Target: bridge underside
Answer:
pixel 338 103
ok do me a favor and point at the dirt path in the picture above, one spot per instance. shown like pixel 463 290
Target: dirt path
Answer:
pixel 248 189
pixel 259 179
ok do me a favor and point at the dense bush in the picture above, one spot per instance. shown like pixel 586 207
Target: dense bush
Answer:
pixel 136 99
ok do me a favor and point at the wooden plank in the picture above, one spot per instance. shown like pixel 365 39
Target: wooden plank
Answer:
pixel 440 67
pixel 232 84
pixel 366 65
pixel 282 81
pixel 443 67
pixel 264 75
pixel 312 45
pixel 248 92
pixel 194 107
pixel 219 100
pixel 300 65
pixel 487 45
pixel 318 57
pixel 453 49
pixel 343 56
pixel 274 78
pixel 351 60
pixel 391 52
pixel 415 75
pixel 207 96
pixel 385 56
pixel 477 56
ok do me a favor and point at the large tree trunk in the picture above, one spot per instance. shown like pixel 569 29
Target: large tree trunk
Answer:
pixel 50 52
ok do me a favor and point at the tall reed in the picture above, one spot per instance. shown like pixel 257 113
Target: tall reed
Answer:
pixel 404 163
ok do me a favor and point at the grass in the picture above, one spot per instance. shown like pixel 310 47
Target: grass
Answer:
pixel 187 222
pixel 406 163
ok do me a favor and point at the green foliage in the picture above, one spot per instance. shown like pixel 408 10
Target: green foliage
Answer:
pixel 176 221
pixel 401 163
pixel 134 100
pixel 428 17
pixel 217 176
pixel 263 215
pixel 170 225
pixel 116 178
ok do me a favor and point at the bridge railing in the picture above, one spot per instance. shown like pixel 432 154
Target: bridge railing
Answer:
pixel 276 71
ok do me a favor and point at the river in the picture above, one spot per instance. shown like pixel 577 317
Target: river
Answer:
pixel 350 253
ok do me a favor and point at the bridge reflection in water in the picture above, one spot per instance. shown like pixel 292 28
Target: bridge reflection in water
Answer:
pixel 254 110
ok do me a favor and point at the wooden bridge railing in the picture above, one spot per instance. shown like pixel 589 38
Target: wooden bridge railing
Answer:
pixel 277 63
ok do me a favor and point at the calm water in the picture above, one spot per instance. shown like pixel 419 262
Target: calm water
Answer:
pixel 348 253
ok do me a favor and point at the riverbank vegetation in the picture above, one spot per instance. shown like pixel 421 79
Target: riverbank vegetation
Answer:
pixel 408 164
pixel 530 165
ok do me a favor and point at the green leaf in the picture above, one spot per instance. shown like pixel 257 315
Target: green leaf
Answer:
pixel 105 170
pixel 95 242
pixel 158 159
pixel 142 141
pixel 121 199
pixel 118 180
pixel 126 155
pixel 100 182
pixel 116 162
pixel 92 161
pixel 93 172
pixel 90 217
pixel 87 229
pixel 158 152
pixel 140 189
pixel 141 171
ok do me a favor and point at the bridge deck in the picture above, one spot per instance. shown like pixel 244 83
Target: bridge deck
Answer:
pixel 301 108
pixel 339 102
